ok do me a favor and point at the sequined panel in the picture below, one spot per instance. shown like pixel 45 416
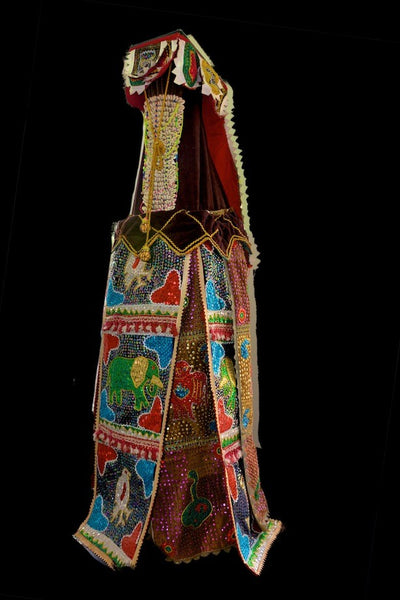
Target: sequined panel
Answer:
pixel 118 511
pixel 191 514
pixel 253 543
pixel 145 59
pixel 138 285
pixel 238 275
pixel 133 380
pixel 141 309
pixel 145 63
pixel 226 294
pixel 143 297
pixel 219 313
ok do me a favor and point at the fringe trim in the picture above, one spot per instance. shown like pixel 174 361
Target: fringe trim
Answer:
pixel 141 448
pixel 141 324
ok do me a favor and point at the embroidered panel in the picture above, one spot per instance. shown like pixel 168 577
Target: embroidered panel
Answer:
pixel 238 274
pixel 143 297
pixel 124 485
pixel 133 381
pixel 219 316
pixel 253 543
pixel 145 63
pixel 191 514
pixel 226 290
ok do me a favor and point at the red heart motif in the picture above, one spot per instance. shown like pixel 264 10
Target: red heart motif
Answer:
pixel 129 542
pixel 153 419
pixel 224 420
pixel 110 342
pixel 104 455
pixel 170 292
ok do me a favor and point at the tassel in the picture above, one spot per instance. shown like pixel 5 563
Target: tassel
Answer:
pixel 144 225
pixel 145 254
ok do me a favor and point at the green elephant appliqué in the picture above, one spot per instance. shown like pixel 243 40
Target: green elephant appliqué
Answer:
pixel 139 375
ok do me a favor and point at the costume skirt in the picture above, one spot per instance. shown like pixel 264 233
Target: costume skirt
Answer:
pixel 175 456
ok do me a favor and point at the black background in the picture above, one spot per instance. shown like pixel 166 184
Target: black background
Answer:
pixel 317 119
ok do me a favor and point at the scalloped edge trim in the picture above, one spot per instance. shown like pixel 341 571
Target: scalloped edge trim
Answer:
pixel 198 556
pixel 237 159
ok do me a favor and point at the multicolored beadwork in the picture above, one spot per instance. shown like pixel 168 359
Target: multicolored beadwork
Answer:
pixel 165 184
pixel 175 455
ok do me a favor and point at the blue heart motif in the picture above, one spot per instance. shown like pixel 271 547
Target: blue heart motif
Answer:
pixel 113 297
pixel 97 519
pixel 105 411
pixel 163 345
pixel 214 302
pixel 145 469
